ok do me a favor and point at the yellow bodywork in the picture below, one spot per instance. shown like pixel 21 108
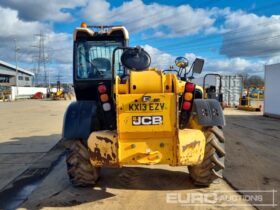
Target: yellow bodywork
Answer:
pixel 58 93
pixel 103 147
pixel 147 112
pixel 252 104
pixel 253 101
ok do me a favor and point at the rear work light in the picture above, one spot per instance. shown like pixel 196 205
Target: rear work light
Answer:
pixel 187 105
pixel 102 89
pixel 190 87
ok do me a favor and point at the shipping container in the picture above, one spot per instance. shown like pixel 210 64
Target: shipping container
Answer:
pixel 231 89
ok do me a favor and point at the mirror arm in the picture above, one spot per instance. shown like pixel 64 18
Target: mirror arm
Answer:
pixel 186 73
pixel 192 74
pixel 179 72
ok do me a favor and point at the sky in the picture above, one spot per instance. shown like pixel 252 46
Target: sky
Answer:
pixel 232 36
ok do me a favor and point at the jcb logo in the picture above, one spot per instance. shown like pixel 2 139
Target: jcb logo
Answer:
pixel 147 120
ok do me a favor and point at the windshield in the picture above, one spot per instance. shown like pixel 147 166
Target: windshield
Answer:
pixel 94 59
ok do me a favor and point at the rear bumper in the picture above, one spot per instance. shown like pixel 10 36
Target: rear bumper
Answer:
pixel 108 149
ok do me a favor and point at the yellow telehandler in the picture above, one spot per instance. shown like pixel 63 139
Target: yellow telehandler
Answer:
pixel 128 113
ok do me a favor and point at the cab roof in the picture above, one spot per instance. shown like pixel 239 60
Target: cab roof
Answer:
pixel 100 30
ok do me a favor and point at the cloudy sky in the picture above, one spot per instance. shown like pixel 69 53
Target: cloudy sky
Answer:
pixel 232 36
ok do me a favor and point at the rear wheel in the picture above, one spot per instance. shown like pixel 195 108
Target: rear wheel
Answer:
pixel 80 171
pixel 212 165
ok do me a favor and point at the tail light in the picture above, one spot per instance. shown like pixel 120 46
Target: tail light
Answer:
pixel 187 101
pixel 190 87
pixel 188 96
pixel 104 98
pixel 187 105
pixel 106 107
pixel 102 89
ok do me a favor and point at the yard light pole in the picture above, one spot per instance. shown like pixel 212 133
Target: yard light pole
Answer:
pixel 16 50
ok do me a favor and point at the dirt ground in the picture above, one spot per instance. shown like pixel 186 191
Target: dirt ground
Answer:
pixel 252 145
pixel 125 188
pixel 28 130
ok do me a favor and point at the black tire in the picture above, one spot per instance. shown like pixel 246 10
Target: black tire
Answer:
pixel 80 171
pixel 213 163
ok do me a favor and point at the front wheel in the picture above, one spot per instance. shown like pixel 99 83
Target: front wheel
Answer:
pixel 213 164
pixel 80 171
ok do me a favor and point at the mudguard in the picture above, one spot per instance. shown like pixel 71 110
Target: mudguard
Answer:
pixel 78 120
pixel 208 112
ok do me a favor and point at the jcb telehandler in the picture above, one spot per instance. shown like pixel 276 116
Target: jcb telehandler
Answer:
pixel 127 113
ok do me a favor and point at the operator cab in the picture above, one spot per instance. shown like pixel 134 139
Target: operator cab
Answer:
pixel 93 50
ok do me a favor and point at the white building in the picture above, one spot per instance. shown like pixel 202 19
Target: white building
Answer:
pixel 271 90
pixel 8 73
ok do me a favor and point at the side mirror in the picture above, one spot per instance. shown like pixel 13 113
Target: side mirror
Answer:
pixel 198 65
pixel 181 62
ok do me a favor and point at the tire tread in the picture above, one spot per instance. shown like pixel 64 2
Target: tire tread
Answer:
pixel 80 171
pixel 212 165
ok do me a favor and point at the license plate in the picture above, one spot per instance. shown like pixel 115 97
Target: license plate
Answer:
pixel 153 106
